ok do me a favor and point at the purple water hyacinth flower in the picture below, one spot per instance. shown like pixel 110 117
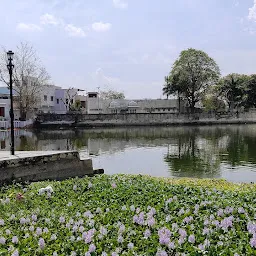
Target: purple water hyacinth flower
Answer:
pixel 124 208
pixel 201 247
pixel 121 228
pixel 26 235
pixel 15 253
pixel 92 248
pixel 228 210
pixel 181 241
pixel 87 254
pixel 161 253
pixel 31 228
pixel 73 253
pixel 62 219
pixel 114 254
pixel 1 222
pixel 22 221
pixel 192 239
pixel 104 254
pixel 2 240
pixel 53 237
pixel 220 213
pixel 130 246
pixel 7 232
pixel 206 231
pixel 253 242
pixel 147 233
pixel 120 239
pixel 39 231
pixel 34 217
pixel 75 228
pixel 206 222
pixel 15 240
pixel 45 230
pixel 151 222
pixel 171 245
pixel 55 254
pixel 132 208
pixel 103 231
pixel 251 227
pixel 182 232
pixel 69 204
pixel 41 243
pixel 89 185
pixel 241 210
pixel 216 223
pixel 227 222
pixel 75 187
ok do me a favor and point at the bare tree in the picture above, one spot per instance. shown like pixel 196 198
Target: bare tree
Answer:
pixel 112 95
pixel 28 75
pixel 69 100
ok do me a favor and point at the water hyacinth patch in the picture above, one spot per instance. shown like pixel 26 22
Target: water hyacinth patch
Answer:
pixel 128 215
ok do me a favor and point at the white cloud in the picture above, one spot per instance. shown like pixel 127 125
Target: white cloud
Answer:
pixel 28 27
pixel 252 12
pixel 101 27
pixel 74 31
pixel 121 4
pixel 48 19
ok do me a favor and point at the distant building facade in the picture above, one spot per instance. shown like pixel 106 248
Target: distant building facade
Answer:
pixel 97 105
pixel 5 104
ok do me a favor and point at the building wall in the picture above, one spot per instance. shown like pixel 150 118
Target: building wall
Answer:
pixel 59 106
pixel 106 106
pixel 47 98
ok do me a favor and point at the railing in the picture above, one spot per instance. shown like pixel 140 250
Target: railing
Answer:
pixel 17 124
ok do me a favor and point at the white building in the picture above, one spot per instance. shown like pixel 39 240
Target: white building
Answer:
pixel 5 104
pixel 97 105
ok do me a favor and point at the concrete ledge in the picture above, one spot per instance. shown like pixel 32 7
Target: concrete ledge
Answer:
pixel 37 166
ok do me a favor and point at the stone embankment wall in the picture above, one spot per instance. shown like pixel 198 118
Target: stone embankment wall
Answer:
pixel 108 120
pixel 52 166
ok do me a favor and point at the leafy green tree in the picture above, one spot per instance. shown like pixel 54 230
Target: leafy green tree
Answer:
pixel 191 76
pixel 251 86
pixel 213 103
pixel 233 88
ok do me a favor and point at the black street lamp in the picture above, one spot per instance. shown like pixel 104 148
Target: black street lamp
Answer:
pixel 10 67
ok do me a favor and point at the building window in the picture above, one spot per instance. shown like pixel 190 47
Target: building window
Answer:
pixel 2 111
pixel 51 98
pixel 58 101
pixel 45 97
pixel 3 146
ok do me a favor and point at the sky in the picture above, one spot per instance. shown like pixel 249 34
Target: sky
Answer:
pixel 129 45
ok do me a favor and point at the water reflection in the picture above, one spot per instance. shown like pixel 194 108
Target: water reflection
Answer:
pixel 205 152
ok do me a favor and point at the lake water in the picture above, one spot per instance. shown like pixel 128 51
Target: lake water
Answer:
pixel 227 151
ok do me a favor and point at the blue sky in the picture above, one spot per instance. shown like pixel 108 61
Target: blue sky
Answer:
pixel 129 45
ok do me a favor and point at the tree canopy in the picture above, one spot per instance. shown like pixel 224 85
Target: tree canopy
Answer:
pixel 191 75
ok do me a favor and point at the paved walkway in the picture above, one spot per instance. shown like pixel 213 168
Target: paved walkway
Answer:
pixel 6 155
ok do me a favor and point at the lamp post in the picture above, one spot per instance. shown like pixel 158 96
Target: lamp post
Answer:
pixel 10 67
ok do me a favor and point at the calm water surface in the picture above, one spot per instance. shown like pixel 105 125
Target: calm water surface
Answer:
pixel 227 152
